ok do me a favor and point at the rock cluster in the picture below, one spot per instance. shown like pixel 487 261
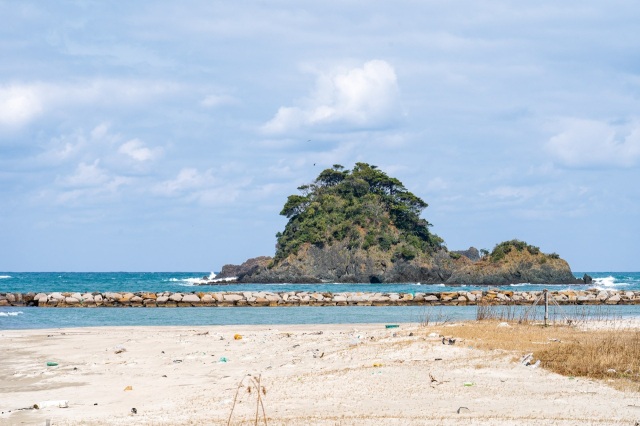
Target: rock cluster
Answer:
pixel 338 263
pixel 304 298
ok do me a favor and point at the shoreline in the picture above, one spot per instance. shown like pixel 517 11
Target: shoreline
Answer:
pixel 321 374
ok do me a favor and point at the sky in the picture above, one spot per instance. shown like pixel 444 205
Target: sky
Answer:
pixel 166 136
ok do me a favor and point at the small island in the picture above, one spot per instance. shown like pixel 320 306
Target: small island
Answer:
pixel 363 226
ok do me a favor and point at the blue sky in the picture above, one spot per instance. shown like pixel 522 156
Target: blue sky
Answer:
pixel 166 136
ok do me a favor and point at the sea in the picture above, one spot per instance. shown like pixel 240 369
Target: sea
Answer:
pixel 185 282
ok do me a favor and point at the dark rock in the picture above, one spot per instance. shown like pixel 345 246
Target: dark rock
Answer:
pixel 587 279
pixel 471 253
pixel 339 263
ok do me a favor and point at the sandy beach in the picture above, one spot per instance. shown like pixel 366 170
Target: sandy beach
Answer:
pixel 348 374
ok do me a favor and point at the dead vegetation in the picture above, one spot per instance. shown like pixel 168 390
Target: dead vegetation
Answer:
pixel 611 354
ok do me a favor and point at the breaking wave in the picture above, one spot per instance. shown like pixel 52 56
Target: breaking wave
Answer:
pixel 10 314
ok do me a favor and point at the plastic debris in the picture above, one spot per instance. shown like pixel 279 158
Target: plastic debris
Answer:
pixel 134 410
pixel 223 359
pixel 119 349
pixel 237 337
pixel 468 384
pixel 526 359
pixel 392 326
pixel 377 364
pixel 463 410
pixel 128 388
pixel 52 364
pixel 63 403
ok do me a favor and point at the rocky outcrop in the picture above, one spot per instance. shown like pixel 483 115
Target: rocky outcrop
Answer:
pixel 338 263
pixel 516 267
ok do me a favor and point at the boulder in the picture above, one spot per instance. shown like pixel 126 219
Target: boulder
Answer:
pixel 190 298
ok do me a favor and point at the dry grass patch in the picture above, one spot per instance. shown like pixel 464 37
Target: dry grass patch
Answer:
pixel 612 354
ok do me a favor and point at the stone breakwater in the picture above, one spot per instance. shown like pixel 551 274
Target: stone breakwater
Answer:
pixel 304 298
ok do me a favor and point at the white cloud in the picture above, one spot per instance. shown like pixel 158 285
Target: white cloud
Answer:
pixel 89 182
pixel 137 150
pixel 201 187
pixel 584 143
pixel 356 98
pixel 19 104
pixel 87 175
pixel 187 179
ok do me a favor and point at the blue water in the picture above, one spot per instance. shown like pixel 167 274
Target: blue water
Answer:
pixel 26 318
pixel 24 282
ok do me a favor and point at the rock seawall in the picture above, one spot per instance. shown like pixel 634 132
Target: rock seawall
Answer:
pixel 305 298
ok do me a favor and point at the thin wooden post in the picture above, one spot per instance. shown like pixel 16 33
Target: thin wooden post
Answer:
pixel 546 307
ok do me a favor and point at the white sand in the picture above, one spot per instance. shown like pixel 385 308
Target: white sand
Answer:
pixel 312 374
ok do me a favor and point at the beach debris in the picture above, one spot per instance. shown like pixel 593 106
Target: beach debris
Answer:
pixel 134 410
pixel 95 403
pixel 448 341
pixel 392 326
pixel 177 361
pixel 317 353
pixel 128 388
pixel 378 364
pixel 438 359
pixel 433 335
pixel 463 410
pixel 204 333
pixel 237 337
pixel 223 359
pixel 164 375
pixel 526 358
pixel 52 364
pixel 611 371
pixel 504 325
pixel 469 384
pixel 119 349
pixel 63 403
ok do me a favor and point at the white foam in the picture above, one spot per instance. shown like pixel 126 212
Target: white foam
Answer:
pixel 519 285
pixel 605 282
pixel 224 280
pixel 187 282
pixel 10 314
pixel 4 277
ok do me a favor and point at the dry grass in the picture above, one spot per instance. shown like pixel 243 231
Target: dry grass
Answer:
pixel 611 354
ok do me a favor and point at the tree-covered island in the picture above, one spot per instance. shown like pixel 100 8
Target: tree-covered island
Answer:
pixel 363 226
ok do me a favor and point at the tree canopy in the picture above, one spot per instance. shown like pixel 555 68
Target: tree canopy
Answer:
pixel 364 207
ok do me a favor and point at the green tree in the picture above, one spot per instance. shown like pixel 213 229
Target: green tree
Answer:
pixel 364 206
